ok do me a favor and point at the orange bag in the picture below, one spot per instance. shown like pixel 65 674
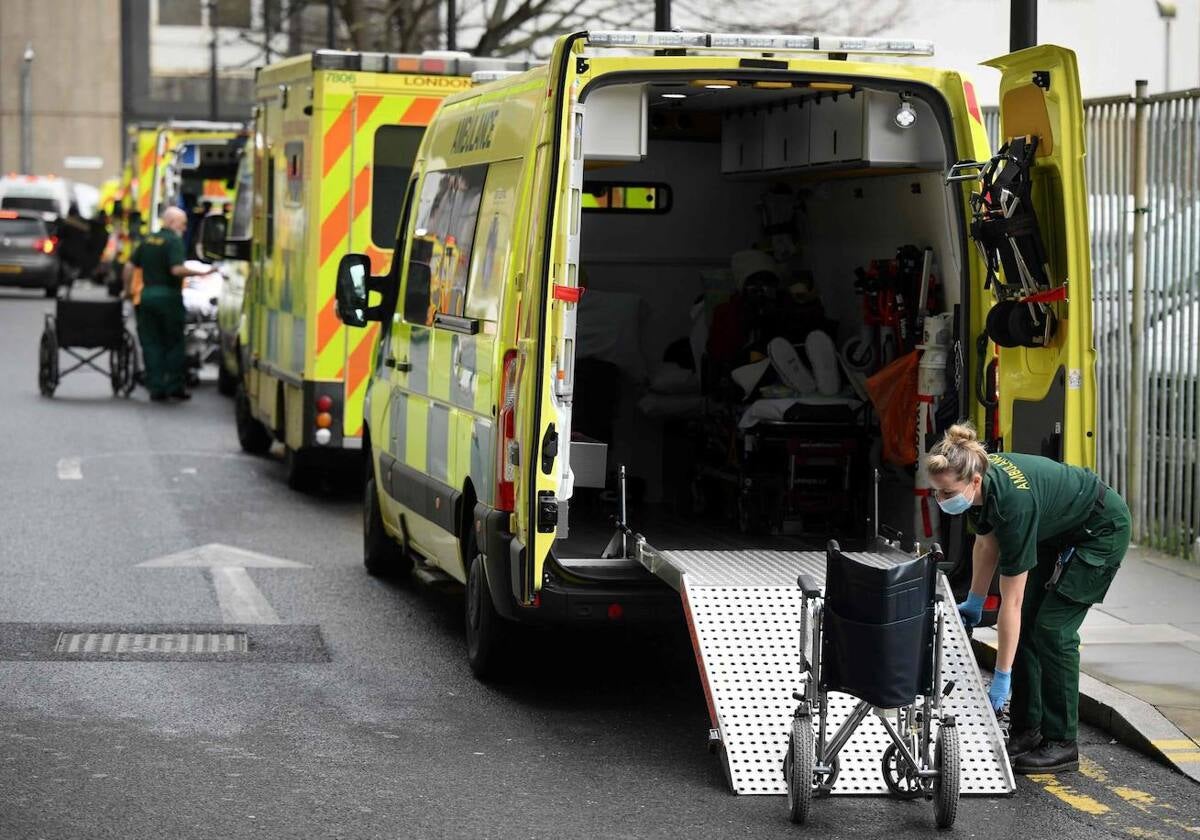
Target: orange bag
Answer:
pixel 893 391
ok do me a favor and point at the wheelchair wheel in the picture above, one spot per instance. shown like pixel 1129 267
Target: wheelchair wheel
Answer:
pixel 48 360
pixel 798 769
pixel 946 785
pixel 902 781
pixel 122 364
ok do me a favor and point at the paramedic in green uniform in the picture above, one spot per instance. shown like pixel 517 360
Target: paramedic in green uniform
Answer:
pixel 160 315
pixel 1057 534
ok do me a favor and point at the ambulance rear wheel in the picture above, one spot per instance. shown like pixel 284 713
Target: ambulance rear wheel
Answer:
pixel 252 435
pixel 488 632
pixel 382 556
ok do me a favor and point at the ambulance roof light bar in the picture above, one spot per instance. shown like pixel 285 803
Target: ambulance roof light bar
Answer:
pixel 759 42
pixel 430 62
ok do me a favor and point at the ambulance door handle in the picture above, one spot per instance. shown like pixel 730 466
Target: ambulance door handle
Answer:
pixel 402 366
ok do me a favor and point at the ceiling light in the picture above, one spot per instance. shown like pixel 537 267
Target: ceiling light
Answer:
pixel 905 114
pixel 717 87
pixel 674 96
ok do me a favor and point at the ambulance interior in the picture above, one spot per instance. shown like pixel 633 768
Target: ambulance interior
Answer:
pixel 753 257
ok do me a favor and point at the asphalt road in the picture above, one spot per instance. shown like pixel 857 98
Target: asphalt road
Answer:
pixel 379 730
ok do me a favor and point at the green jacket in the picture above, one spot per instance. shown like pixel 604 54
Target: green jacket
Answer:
pixel 157 254
pixel 1037 507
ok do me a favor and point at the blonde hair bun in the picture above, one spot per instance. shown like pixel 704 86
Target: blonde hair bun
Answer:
pixel 959 452
pixel 961 434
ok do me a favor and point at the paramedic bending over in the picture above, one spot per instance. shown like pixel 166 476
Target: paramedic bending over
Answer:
pixel 1057 535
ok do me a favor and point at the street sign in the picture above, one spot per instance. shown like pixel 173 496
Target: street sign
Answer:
pixel 83 162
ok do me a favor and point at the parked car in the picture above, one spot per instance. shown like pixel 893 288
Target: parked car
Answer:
pixel 29 255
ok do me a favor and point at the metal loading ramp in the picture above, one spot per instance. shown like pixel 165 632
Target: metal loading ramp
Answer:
pixel 743 613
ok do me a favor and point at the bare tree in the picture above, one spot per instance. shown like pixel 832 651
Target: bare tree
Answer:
pixel 528 27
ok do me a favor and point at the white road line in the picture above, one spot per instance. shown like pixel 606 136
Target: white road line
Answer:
pixel 70 469
pixel 240 600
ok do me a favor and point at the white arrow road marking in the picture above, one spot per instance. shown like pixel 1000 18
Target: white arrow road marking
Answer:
pixel 70 469
pixel 241 602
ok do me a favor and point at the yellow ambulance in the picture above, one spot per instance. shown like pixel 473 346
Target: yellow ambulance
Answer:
pixel 578 242
pixel 335 134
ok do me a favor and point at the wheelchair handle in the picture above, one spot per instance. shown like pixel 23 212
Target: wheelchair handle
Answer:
pixel 808 586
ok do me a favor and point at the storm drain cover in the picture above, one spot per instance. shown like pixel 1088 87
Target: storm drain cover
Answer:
pixel 151 643
pixel 246 643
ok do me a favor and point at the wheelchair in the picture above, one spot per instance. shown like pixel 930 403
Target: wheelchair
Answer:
pixel 875 634
pixel 96 328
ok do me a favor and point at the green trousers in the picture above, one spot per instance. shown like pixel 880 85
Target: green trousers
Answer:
pixel 1045 680
pixel 160 329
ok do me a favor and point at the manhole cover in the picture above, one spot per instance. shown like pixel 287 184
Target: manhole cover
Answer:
pixel 240 643
pixel 151 643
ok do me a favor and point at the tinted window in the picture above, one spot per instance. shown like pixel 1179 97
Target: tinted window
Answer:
pixel 395 150
pixel 442 238
pixel 21 227
pixel 29 202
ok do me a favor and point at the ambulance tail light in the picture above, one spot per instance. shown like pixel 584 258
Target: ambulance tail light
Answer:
pixel 507 448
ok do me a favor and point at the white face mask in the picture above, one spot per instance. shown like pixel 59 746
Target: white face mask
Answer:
pixel 956 505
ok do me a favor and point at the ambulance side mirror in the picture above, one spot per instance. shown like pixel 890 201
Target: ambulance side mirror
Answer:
pixel 212 237
pixel 353 286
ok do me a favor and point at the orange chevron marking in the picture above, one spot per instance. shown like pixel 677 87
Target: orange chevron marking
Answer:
pixel 335 227
pixel 338 137
pixel 360 359
pixel 380 260
pixel 327 325
pixel 362 191
pixel 420 112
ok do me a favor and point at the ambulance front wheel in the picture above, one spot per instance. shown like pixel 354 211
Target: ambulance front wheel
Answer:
pixel 488 632
pixel 382 556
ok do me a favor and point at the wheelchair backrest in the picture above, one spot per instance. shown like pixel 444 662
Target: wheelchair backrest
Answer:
pixel 89 323
pixel 878 595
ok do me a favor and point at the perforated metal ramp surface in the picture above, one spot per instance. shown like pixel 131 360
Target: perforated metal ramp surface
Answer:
pixel 743 609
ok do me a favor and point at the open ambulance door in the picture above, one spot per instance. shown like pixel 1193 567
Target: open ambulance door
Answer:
pixel 1047 393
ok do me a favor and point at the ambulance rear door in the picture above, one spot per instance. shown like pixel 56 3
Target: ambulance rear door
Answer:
pixel 1047 394
pixel 387 126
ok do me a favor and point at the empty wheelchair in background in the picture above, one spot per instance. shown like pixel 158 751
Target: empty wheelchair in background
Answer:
pixel 95 328
pixel 876 635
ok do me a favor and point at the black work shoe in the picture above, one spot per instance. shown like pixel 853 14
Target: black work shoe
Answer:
pixel 1050 757
pixel 180 395
pixel 1023 741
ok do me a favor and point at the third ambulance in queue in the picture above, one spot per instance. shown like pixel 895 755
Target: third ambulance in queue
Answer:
pixel 334 138
pixel 566 230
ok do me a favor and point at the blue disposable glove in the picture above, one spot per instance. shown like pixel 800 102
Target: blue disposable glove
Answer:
pixel 998 693
pixel 971 610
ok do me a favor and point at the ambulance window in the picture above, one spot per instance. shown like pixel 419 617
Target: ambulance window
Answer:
pixel 602 196
pixel 443 234
pixel 489 262
pixel 239 225
pixel 395 150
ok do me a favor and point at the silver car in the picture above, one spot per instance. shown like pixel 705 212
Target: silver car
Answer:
pixel 29 255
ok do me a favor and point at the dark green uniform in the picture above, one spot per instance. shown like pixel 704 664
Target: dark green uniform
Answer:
pixel 1037 508
pixel 160 314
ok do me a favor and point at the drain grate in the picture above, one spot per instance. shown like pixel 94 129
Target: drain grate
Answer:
pixel 151 643
pixel 194 643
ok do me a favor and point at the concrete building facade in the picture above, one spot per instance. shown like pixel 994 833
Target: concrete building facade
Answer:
pixel 76 86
